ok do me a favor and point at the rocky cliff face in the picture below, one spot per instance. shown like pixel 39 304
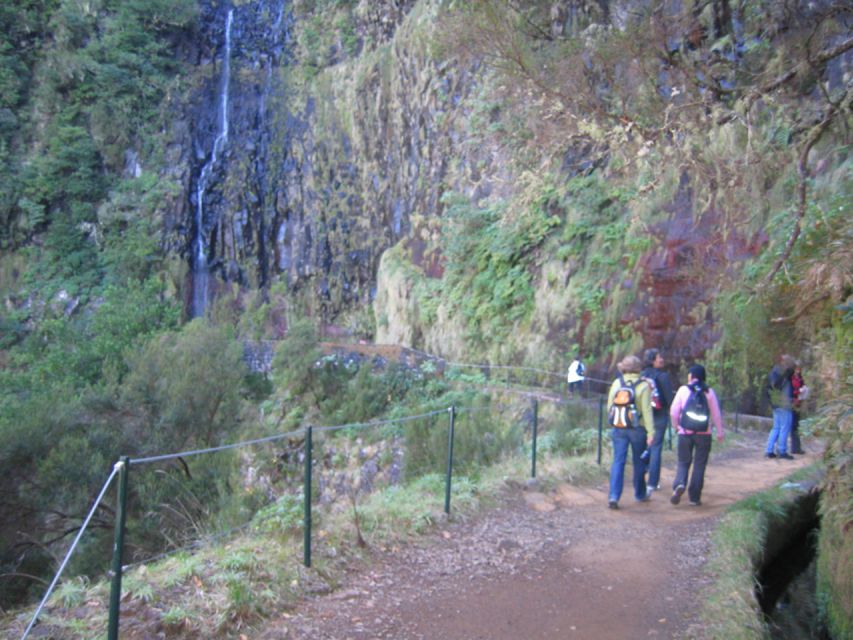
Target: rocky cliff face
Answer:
pixel 319 177
pixel 293 196
pixel 339 152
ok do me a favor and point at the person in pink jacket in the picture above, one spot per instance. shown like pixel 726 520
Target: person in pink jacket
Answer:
pixel 693 411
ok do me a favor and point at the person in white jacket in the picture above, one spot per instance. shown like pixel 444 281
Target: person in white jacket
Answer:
pixel 576 375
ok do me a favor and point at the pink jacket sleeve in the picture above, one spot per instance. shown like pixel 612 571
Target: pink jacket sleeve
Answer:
pixel 681 399
pixel 716 414
pixel 677 406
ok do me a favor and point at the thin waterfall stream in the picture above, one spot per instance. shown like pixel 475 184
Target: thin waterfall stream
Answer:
pixel 201 274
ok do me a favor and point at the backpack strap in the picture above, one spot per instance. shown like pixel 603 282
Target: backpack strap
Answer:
pixel 623 382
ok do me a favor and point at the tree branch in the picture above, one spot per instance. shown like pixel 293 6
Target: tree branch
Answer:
pixel 537 31
pixel 802 187
pixel 23 575
pixel 820 58
pixel 801 311
pixel 832 52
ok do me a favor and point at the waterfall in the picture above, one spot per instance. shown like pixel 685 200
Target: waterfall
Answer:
pixel 200 271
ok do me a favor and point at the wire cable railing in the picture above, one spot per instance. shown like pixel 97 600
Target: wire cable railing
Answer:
pixel 590 398
pixel 71 549
pixel 379 423
pixel 224 447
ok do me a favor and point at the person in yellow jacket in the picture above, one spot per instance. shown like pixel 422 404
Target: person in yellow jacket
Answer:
pixel 629 417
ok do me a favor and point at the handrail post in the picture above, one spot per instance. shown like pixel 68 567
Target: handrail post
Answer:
pixel 118 546
pixel 450 433
pixel 535 431
pixel 306 541
pixel 600 426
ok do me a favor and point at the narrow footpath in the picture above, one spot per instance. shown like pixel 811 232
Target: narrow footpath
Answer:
pixel 545 566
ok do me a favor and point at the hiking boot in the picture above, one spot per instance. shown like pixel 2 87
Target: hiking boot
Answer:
pixel 612 504
pixel 647 497
pixel 785 456
pixel 676 495
pixel 695 503
pixel 769 455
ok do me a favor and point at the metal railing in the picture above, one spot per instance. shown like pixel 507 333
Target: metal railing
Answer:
pixel 122 467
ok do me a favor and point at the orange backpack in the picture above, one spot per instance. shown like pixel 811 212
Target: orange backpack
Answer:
pixel 623 410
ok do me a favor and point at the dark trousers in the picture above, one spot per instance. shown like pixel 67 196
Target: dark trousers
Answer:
pixel 796 445
pixel 692 449
pixel 656 451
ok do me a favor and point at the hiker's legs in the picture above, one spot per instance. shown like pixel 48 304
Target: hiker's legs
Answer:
pixel 796 444
pixel 702 445
pixel 774 432
pixel 685 458
pixel 785 416
pixel 655 455
pixel 638 437
pixel 617 469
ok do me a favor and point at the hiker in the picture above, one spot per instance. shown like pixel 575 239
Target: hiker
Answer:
pixel 577 370
pixel 629 410
pixel 779 393
pixel 661 401
pixel 800 392
pixel 694 409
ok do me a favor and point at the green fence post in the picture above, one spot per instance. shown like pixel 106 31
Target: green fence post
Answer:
pixel 600 426
pixel 449 459
pixel 118 546
pixel 306 543
pixel 535 431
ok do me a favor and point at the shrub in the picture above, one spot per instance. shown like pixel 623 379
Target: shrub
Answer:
pixel 575 430
pixel 184 388
pixel 294 364
pixel 480 438
pixel 281 517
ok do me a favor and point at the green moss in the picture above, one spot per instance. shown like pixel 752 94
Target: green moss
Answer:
pixel 489 278
pixel 730 608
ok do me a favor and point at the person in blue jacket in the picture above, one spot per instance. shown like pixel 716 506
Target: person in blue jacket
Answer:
pixel 779 393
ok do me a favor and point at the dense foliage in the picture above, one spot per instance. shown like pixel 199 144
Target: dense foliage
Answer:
pixel 81 90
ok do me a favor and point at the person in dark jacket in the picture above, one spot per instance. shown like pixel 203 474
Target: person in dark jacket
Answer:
pixel 653 362
pixel 779 393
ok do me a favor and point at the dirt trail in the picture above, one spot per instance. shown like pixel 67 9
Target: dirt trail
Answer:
pixel 557 565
